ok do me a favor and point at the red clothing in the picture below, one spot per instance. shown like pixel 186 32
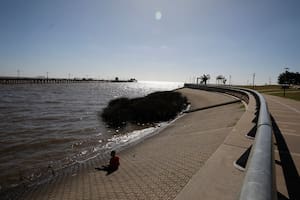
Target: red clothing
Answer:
pixel 114 163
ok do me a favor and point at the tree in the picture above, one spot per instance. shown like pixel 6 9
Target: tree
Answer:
pixel 204 78
pixel 221 78
pixel 289 78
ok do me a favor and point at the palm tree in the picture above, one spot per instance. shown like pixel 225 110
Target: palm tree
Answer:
pixel 204 78
pixel 221 79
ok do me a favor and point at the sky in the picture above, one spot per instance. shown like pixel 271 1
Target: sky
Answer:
pixel 152 40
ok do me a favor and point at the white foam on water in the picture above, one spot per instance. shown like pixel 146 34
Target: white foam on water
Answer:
pixel 118 141
pixel 121 140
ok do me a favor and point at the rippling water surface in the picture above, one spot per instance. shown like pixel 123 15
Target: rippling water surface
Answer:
pixel 58 124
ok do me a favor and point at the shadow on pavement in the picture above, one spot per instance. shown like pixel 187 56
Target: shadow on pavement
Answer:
pixel 290 172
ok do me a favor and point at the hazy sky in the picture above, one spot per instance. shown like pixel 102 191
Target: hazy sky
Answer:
pixel 165 40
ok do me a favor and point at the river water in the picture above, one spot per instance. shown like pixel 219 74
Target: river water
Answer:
pixel 46 126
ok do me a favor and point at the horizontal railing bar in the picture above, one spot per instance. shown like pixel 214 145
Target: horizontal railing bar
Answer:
pixel 260 178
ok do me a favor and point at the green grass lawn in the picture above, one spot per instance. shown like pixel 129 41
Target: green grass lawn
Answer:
pixel 290 95
pixel 276 90
pixel 264 87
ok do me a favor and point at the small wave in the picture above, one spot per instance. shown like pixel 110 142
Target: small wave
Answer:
pixel 52 102
pixel 49 118
pixel 84 152
pixel 38 144
pixel 98 134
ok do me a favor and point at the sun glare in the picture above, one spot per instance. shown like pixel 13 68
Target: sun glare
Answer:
pixel 158 15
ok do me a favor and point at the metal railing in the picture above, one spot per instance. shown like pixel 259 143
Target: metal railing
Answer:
pixel 259 182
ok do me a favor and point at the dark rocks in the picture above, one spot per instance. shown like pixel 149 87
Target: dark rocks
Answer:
pixel 155 107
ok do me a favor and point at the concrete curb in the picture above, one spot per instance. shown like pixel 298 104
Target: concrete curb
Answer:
pixel 213 106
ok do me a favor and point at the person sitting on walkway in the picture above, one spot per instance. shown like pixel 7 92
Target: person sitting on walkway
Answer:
pixel 113 164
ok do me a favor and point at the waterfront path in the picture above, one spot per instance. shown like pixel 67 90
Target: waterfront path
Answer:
pixel 286 128
pixel 160 166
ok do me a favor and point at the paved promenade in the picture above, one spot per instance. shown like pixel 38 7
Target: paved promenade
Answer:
pixel 286 127
pixel 160 166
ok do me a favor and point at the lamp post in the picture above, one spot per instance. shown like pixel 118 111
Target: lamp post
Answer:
pixel 253 79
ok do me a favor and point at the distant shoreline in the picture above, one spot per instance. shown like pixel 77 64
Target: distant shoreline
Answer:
pixel 45 80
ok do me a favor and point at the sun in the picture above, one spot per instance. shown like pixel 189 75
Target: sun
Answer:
pixel 158 15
